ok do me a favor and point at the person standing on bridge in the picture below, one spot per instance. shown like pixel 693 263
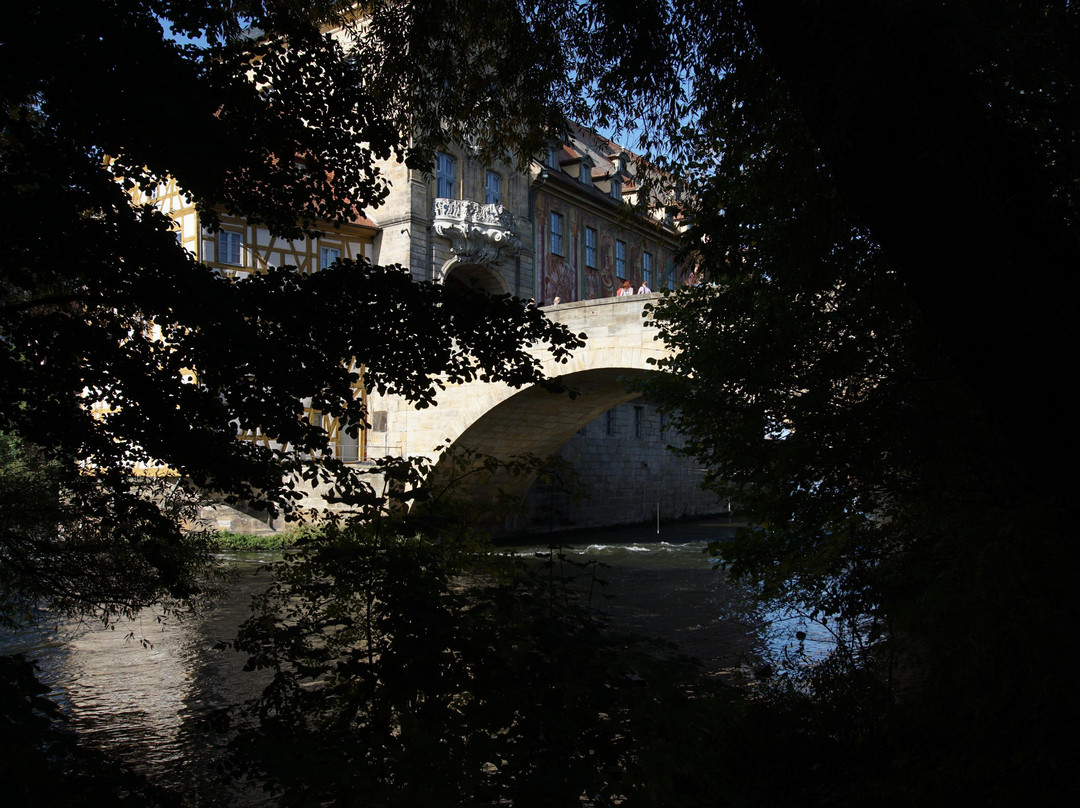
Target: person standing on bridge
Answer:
pixel 626 289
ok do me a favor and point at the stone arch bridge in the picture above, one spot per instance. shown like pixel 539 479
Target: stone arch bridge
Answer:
pixel 496 419
pixel 632 477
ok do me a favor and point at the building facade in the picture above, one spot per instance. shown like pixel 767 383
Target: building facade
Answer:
pixel 239 249
pixel 574 226
pixel 461 222
pixel 598 223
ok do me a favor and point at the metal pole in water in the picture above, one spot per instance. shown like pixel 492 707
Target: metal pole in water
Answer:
pixel 658 518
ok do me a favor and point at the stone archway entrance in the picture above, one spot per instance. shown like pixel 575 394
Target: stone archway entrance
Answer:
pixel 475 277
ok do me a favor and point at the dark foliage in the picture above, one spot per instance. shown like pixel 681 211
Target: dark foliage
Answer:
pixel 103 315
pixel 885 208
pixel 421 671
pixel 873 372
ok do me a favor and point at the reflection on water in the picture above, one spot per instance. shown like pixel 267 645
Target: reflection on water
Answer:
pixel 145 703
pixel 141 689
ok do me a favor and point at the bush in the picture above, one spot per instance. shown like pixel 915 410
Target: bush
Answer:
pixel 226 541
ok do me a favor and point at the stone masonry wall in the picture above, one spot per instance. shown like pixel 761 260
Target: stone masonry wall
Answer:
pixel 623 478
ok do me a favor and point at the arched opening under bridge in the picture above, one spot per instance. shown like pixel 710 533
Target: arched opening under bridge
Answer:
pixel 475 277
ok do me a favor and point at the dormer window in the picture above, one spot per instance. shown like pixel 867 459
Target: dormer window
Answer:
pixel 586 174
pixel 616 188
pixel 552 160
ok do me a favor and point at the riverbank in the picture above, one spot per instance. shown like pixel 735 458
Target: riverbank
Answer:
pixel 227 541
pixel 703 528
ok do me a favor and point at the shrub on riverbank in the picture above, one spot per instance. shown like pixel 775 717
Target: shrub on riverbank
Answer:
pixel 226 541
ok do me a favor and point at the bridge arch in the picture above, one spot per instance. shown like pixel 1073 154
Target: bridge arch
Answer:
pixel 630 478
pixel 539 422
pixel 619 344
pixel 497 420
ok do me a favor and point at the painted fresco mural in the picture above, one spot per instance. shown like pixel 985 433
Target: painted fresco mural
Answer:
pixel 607 265
pixel 633 269
pixel 558 280
pixel 592 284
pixel 560 275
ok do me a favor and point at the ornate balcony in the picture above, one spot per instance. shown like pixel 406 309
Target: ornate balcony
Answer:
pixel 478 234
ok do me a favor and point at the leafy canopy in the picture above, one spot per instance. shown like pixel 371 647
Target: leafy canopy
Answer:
pixel 264 115
pixel 884 209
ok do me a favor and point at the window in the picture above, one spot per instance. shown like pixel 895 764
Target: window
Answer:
pixel 327 257
pixel 229 247
pixel 620 258
pixel 586 174
pixel 348 444
pixel 446 175
pixel 639 418
pixel 647 269
pixel 551 156
pixel 616 187
pixel 590 247
pixel 556 233
pixel 493 188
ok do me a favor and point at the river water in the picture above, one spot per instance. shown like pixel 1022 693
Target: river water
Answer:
pixel 140 691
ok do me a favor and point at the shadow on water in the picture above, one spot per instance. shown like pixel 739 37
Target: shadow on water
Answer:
pixel 664 584
pixel 662 587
